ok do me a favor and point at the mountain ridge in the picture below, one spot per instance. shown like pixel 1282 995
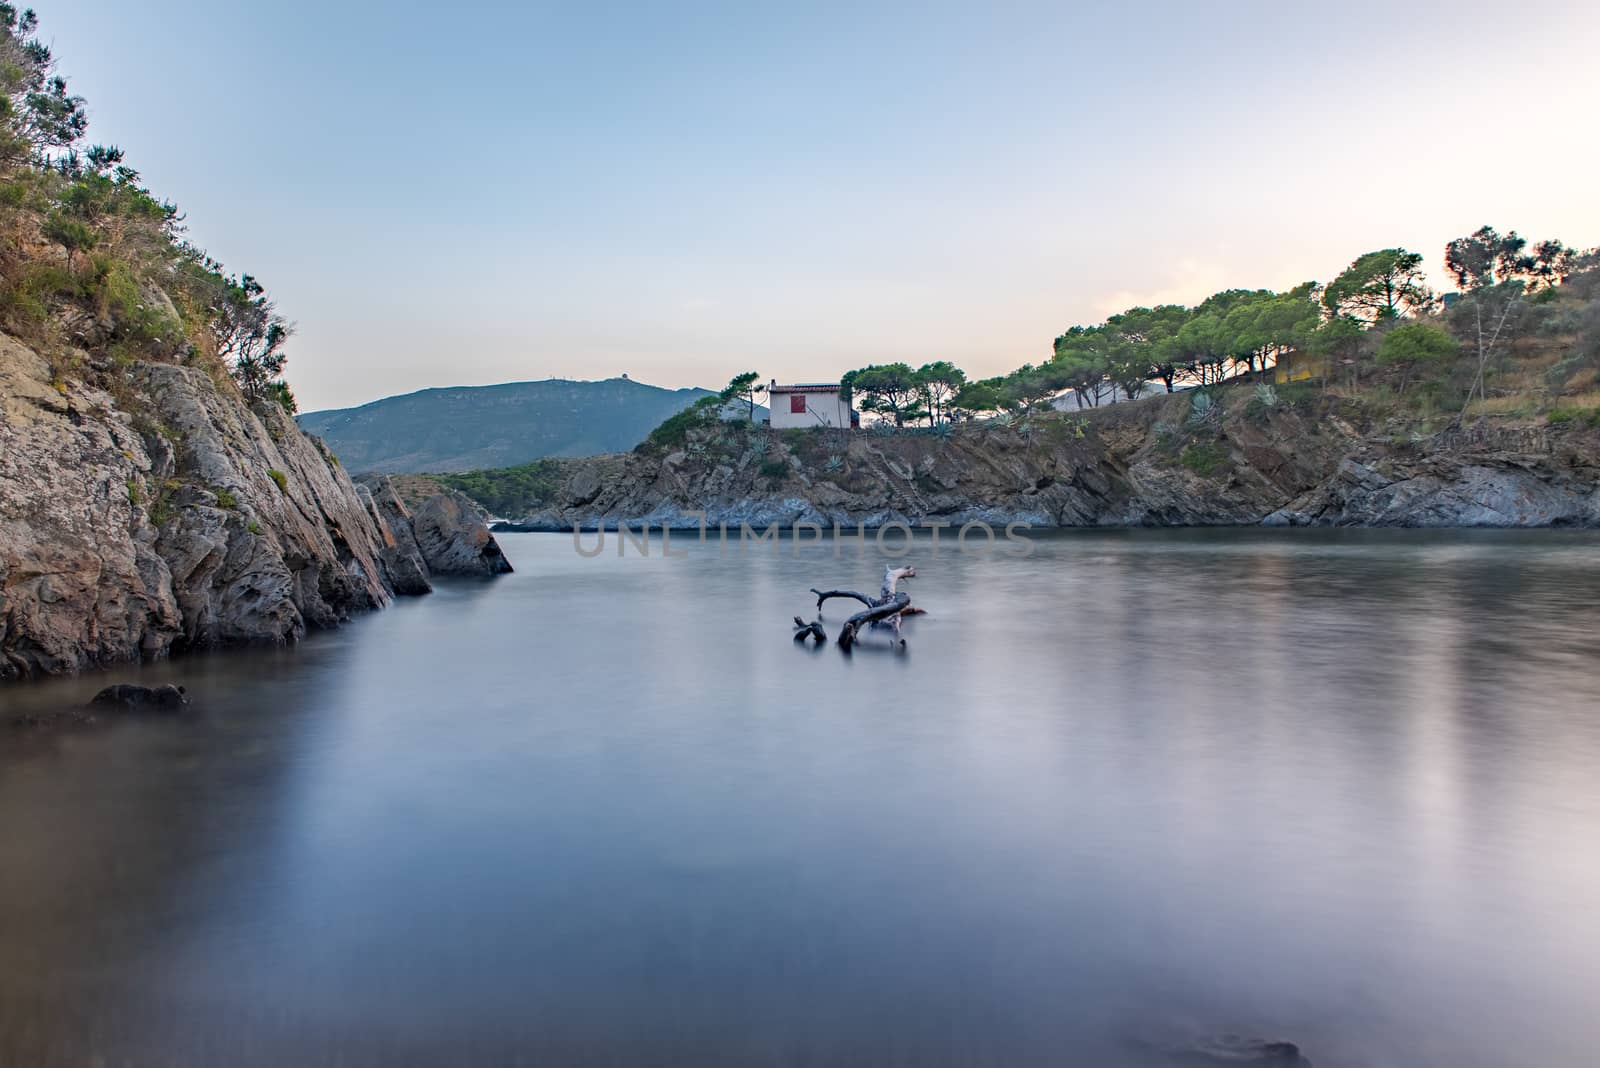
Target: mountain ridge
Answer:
pixel 463 428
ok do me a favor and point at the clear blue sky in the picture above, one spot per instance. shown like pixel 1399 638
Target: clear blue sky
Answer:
pixel 441 195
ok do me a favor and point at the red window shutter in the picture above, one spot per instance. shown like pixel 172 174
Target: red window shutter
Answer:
pixel 797 404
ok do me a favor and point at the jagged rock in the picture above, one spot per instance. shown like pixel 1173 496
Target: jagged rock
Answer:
pixel 400 558
pixel 585 486
pixel 1136 464
pixel 407 573
pixel 131 696
pixel 445 535
pixel 1496 491
pixel 80 579
pixel 288 545
pixel 453 538
pixel 166 515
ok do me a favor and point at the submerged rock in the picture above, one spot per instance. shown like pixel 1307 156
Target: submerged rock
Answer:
pixel 128 695
pixel 1236 1049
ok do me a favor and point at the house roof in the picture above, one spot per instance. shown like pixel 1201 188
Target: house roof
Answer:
pixel 805 387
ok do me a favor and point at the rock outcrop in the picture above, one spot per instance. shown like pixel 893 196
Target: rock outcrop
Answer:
pixel 1147 463
pixel 446 534
pixel 1522 478
pixel 81 578
pixel 157 512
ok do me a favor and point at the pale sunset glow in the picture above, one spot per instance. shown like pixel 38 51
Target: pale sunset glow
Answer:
pixel 683 193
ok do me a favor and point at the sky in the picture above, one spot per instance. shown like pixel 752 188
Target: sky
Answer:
pixel 487 192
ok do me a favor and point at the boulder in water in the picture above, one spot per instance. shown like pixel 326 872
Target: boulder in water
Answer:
pixel 127 695
pixel 1235 1049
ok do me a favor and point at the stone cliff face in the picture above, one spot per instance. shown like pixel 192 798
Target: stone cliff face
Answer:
pixel 162 514
pixel 1150 463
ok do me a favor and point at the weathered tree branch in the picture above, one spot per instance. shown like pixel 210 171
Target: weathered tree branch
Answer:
pixel 823 595
pixel 891 581
pixel 884 610
pixel 804 630
pixel 889 611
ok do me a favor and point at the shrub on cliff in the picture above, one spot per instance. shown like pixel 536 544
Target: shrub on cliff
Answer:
pixel 90 259
pixel 1414 346
pixel 674 430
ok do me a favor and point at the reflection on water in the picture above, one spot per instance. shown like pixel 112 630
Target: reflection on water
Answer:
pixel 1134 789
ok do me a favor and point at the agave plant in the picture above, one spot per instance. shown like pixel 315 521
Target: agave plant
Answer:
pixel 835 462
pixel 760 446
pixel 1266 396
pixel 1202 409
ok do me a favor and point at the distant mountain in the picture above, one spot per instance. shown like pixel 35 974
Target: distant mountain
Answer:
pixel 463 428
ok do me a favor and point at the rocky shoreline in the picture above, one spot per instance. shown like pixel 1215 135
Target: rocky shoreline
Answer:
pixel 1315 462
pixel 156 512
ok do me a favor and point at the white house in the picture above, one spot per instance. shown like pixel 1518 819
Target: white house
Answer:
pixel 811 404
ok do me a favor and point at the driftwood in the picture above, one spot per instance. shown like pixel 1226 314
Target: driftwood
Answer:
pixel 888 614
pixel 823 595
pixel 885 610
pixel 891 577
pixel 804 630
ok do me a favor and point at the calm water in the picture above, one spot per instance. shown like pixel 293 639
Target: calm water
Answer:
pixel 1129 792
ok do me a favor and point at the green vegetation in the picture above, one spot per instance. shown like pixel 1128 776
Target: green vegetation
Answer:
pixel 280 478
pixel 1204 458
pixel 508 490
pixel 774 469
pixel 1376 324
pixel 674 431
pixel 1415 345
pixel 89 256
pixel 1265 397
pixel 1378 287
pixel 225 498
pixel 161 508
pixel 745 387
pixel 1574 417
pixel 1376 331
pixel 890 391
pixel 1202 409
pixel 1486 258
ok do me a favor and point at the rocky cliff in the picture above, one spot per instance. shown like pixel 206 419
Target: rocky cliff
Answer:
pixel 446 530
pixel 157 512
pixel 1240 459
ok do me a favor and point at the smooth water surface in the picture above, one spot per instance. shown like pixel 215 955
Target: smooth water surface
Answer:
pixel 1131 791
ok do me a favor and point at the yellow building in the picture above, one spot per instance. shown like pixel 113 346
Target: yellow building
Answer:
pixel 1296 366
